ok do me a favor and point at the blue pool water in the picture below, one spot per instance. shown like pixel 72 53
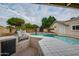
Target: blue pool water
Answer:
pixel 68 40
pixel 46 35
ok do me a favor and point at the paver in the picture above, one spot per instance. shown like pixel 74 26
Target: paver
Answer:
pixel 53 47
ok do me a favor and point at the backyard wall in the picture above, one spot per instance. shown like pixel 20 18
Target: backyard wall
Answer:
pixel 30 30
pixel 5 32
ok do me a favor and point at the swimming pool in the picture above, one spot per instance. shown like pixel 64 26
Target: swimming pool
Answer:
pixel 46 35
pixel 68 40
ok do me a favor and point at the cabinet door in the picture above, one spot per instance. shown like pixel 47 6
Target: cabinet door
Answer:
pixel 8 47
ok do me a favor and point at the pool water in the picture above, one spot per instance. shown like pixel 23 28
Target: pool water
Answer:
pixel 46 35
pixel 68 40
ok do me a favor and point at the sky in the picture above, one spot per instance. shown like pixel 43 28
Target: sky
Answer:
pixel 34 13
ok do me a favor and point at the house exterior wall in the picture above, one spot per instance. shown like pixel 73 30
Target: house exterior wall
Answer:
pixel 55 26
pixel 69 30
pixel 61 29
pixel 58 28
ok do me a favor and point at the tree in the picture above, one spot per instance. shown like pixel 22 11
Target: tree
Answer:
pixel 35 26
pixel 23 27
pixel 15 22
pixel 28 25
pixel 46 22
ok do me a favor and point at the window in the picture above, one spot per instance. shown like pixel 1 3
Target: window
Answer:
pixel 73 27
pixel 76 27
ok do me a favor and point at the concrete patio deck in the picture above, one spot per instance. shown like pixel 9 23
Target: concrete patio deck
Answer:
pixel 29 51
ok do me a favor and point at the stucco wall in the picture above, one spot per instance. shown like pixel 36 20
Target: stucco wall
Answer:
pixel 61 29
pixel 69 30
pixel 34 43
pixel 57 27
pixel 5 32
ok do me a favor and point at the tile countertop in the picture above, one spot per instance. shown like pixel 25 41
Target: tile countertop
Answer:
pixel 4 38
pixel 54 47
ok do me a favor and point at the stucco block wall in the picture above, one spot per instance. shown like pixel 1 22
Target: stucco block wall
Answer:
pixel 22 44
pixel 34 43
pixel 5 32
